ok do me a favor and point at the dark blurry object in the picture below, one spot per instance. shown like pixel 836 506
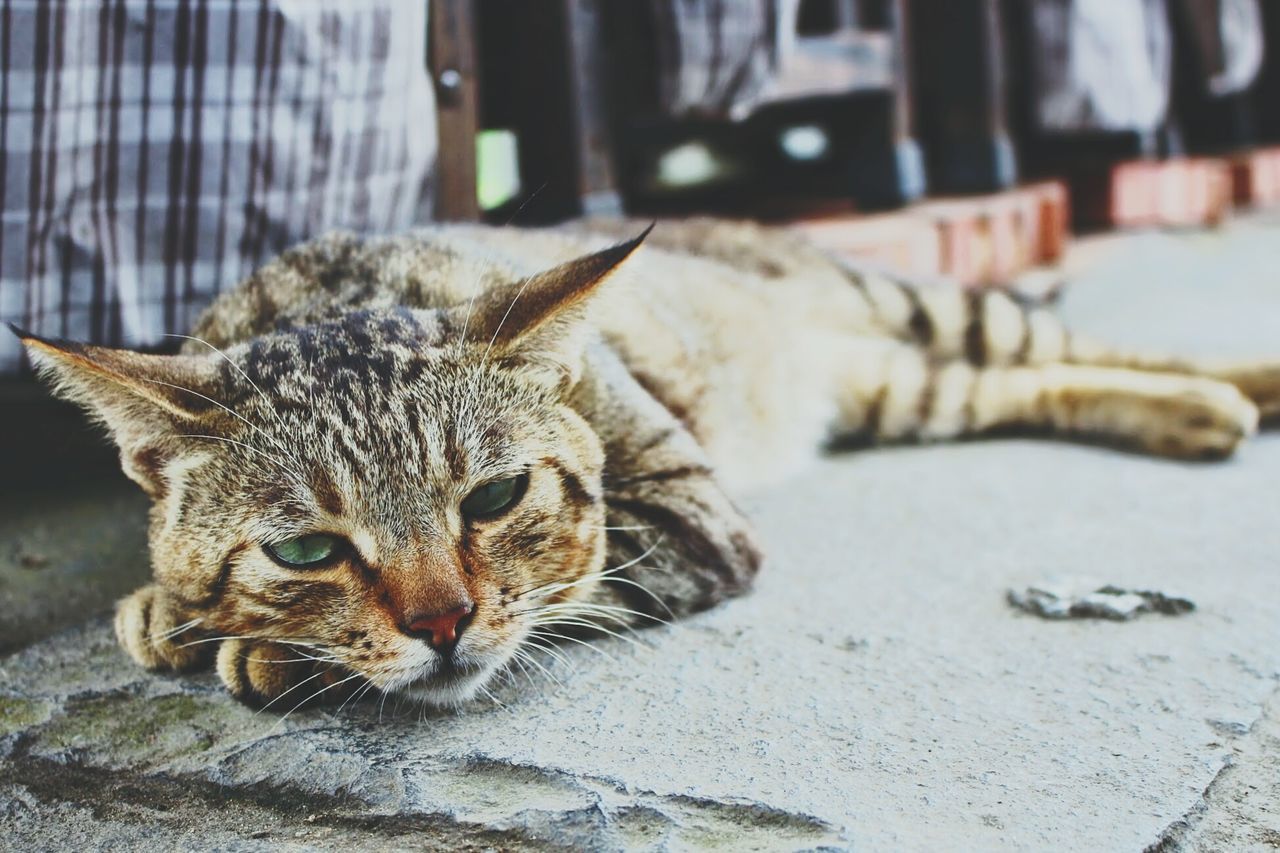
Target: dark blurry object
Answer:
pixel 1082 598
pixel 544 82
pixel 1225 44
pixel 816 104
pixel 698 105
pixel 1108 80
pixel 1219 50
pixel 1089 82
pixel 958 68
pixel 1265 95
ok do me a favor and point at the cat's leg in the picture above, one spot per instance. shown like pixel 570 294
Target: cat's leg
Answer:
pixel 894 391
pixel 988 327
pixel 676 542
pixel 1258 379
pixel 263 673
pixel 159 633
pixel 983 327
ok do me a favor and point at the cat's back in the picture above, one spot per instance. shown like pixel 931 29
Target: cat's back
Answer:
pixel 691 278
pixel 728 326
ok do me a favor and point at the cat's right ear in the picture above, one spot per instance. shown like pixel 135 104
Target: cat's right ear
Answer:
pixel 145 401
pixel 539 320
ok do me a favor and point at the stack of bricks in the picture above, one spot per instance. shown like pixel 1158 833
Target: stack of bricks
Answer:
pixel 978 240
pixel 1180 192
pixel 1255 177
pixel 991 239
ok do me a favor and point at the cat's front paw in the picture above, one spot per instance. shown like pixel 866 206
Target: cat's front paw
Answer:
pixel 158 634
pixel 263 673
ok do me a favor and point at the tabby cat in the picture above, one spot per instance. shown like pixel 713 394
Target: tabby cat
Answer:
pixel 402 463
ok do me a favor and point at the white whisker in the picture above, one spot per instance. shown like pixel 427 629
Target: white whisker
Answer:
pixel 311 677
pixel 248 447
pixel 550 649
pixel 618 614
pixel 285 641
pixel 554 636
pixel 471 302
pixel 228 360
pixel 173 632
pixel 316 694
pixel 354 698
pixel 518 658
pixel 226 409
pixel 605 574
pixel 304 659
pixel 503 321
pixel 581 622
pixel 492 698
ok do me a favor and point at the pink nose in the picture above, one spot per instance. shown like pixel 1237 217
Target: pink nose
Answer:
pixel 441 630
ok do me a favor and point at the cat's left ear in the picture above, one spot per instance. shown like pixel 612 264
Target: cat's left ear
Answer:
pixel 540 320
pixel 145 401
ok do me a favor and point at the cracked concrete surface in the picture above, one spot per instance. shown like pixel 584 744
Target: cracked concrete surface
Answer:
pixel 875 692
pixel 1240 810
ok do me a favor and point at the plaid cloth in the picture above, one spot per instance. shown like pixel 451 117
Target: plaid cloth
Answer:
pixel 154 152
pixel 716 57
pixel 1227 39
pixel 1101 64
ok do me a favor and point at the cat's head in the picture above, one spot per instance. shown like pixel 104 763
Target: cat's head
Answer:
pixel 402 491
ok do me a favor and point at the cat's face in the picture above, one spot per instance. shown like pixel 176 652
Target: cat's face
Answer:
pixel 383 478
pixel 383 490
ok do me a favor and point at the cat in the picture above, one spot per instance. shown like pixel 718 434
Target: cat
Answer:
pixel 404 463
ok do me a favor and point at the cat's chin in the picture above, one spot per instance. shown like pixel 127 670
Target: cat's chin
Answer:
pixel 448 689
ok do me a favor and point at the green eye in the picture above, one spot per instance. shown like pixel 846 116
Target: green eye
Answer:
pixel 305 551
pixel 494 498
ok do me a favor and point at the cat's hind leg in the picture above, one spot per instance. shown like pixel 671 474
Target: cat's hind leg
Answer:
pixel 990 328
pixel 983 327
pixel 894 391
pixel 1257 379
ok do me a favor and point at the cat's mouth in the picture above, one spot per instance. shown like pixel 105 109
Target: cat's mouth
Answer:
pixel 452 681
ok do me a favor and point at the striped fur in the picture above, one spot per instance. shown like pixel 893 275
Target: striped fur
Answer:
pixel 364 387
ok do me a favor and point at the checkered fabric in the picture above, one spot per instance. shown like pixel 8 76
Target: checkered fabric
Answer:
pixel 154 152
pixel 1101 65
pixel 715 57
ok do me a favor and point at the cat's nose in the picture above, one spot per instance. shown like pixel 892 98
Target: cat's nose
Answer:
pixel 441 630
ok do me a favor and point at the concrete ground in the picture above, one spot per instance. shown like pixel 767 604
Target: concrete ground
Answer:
pixel 875 692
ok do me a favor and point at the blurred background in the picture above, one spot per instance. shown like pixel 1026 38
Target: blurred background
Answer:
pixel 155 152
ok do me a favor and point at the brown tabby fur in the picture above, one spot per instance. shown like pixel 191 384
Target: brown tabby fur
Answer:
pixel 365 388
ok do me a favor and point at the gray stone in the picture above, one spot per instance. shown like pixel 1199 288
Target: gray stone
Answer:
pixel 1085 598
pixel 66 554
pixel 876 691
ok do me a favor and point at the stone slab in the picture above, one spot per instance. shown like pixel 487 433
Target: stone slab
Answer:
pixel 876 691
